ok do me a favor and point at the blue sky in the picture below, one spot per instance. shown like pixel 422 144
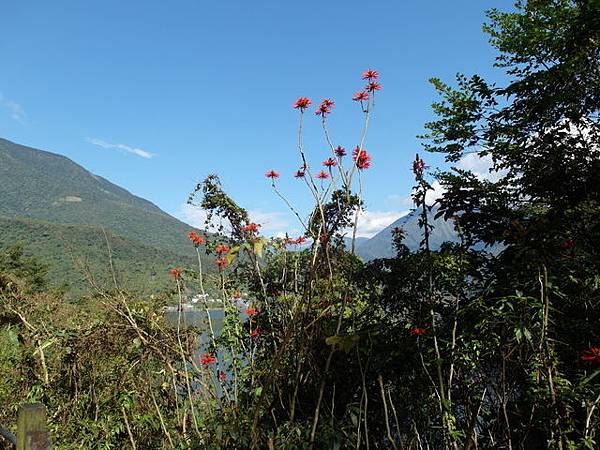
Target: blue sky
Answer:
pixel 154 95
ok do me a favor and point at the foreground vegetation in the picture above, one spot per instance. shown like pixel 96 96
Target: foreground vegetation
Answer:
pixel 454 348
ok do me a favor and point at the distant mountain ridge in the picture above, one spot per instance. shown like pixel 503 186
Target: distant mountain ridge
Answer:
pixel 37 186
pixel 380 245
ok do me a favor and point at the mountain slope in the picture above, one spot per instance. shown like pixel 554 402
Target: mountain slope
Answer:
pixel 59 210
pixel 380 245
pixel 75 254
pixel 50 187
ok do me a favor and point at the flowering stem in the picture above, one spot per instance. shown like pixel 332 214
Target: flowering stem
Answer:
pixel 200 275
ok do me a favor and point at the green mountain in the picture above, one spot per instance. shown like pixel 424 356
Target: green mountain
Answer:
pixel 61 212
pixel 380 245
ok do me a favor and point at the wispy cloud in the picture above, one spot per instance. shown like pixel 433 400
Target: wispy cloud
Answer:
pixel 15 111
pixel 121 147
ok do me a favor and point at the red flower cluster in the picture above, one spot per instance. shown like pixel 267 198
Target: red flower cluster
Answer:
pixel 418 166
pixel 418 331
pixel 302 103
pixel 361 158
pixel 207 358
pixel 300 240
pixel 361 96
pixel 339 151
pixel 195 238
pixel 330 162
pixel 322 175
pixel 222 249
pixel 373 86
pixel 299 174
pixel 251 228
pixel 272 174
pixel 221 263
pixel 592 355
pixel 222 376
pixel 370 75
pixel 251 311
pixel 325 107
pixel 255 332
pixel 176 273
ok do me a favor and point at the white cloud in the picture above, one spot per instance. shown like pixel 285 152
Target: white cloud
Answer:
pixel 480 165
pixel 15 111
pixel 372 222
pixel 272 223
pixel 122 147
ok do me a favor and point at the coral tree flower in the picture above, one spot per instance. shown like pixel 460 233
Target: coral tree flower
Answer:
pixel 196 239
pixel 330 162
pixel 251 228
pixel 272 174
pixel 221 263
pixel 325 107
pixel 299 174
pixel 251 311
pixel 300 240
pixel 222 249
pixel 207 358
pixel 322 175
pixel 176 273
pixel 302 103
pixel 361 158
pixel 339 151
pixel 373 86
pixel 592 355
pixel 360 96
pixel 370 75
pixel 255 332
pixel 418 331
pixel 222 376
pixel 418 166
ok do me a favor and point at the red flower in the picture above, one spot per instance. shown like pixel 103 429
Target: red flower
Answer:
pixel 195 238
pixel 176 273
pixel 361 158
pixel 339 151
pixel 418 166
pixel 322 175
pixel 325 107
pixel 418 331
pixel 251 227
pixel 567 245
pixel 593 355
pixel 370 75
pixel 272 174
pixel 255 332
pixel 222 248
pixel 302 103
pixel 330 162
pixel 222 376
pixel 397 230
pixel 373 86
pixel 251 311
pixel 221 263
pixel 207 358
pixel 361 96
pixel 299 174
pixel 300 240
